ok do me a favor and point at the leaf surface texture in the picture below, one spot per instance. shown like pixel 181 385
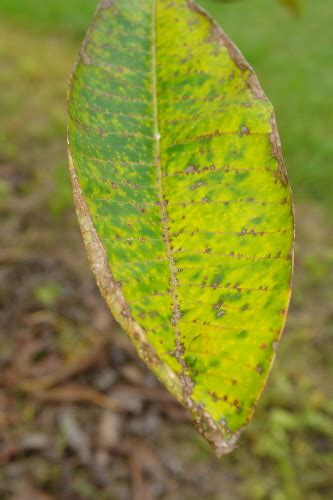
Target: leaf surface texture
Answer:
pixel 184 203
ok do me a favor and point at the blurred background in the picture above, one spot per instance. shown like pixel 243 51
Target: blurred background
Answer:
pixel 80 416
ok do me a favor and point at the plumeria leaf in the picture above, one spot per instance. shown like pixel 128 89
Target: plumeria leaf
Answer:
pixel 184 204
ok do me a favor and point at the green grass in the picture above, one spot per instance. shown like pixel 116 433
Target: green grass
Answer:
pixel 287 452
pixel 62 17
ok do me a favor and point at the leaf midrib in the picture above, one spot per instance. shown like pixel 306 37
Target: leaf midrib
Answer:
pixel 164 215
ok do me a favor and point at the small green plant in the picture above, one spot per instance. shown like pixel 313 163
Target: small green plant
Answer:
pixel 184 204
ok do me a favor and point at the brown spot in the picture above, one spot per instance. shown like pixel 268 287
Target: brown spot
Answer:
pixel 259 369
pixel 244 131
pixel 125 313
pixel 190 169
pixel 214 397
pixel 263 346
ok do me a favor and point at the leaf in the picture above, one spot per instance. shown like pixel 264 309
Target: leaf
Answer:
pixel 184 204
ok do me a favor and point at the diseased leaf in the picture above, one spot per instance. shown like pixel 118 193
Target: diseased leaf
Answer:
pixel 184 204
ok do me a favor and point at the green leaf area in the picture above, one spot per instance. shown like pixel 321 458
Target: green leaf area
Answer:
pixel 184 203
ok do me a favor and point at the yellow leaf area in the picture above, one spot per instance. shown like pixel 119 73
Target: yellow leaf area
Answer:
pixel 177 157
